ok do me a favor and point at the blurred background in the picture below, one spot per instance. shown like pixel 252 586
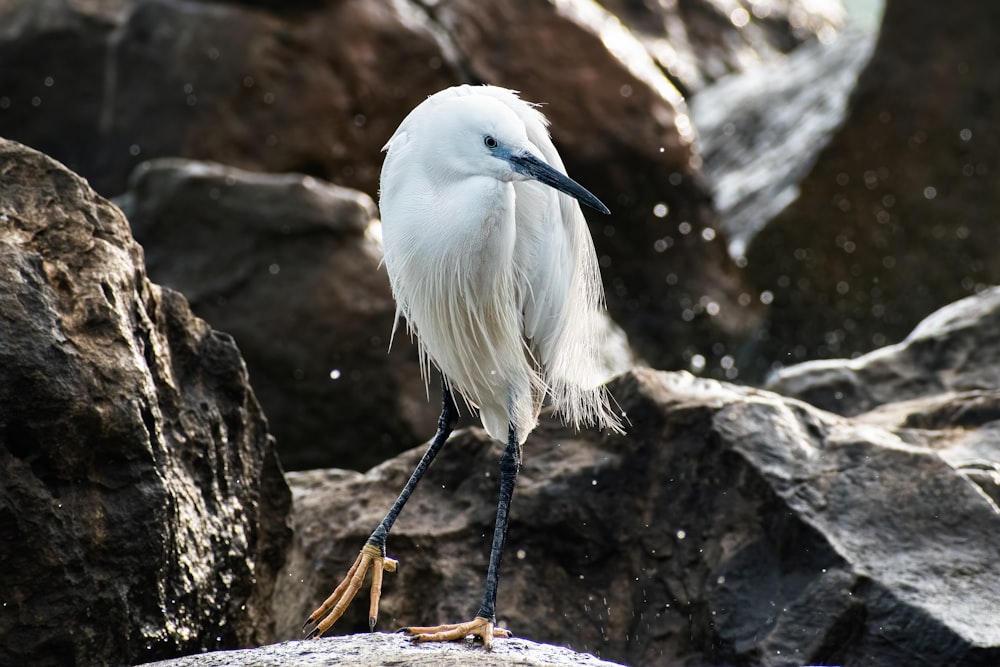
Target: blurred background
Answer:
pixel 789 179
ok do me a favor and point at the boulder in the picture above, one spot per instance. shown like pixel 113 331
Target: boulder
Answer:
pixel 730 526
pixel 892 221
pixel 143 512
pixel 955 350
pixel 699 42
pixel 289 266
pixel 378 648
pixel 289 88
pixel 755 145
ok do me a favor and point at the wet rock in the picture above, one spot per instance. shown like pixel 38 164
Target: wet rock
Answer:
pixel 143 512
pixel 761 132
pixel 295 89
pixel 697 43
pixel 889 226
pixel 731 526
pixel 940 383
pixel 367 649
pixel 289 266
pixel 956 349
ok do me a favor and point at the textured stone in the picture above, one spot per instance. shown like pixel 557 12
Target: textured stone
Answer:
pixel 701 41
pixel 731 526
pixel 142 508
pixel 956 349
pixel 388 650
pixel 889 225
pixel 761 132
pixel 289 266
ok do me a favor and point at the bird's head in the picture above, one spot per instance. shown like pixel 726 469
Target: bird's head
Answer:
pixel 478 135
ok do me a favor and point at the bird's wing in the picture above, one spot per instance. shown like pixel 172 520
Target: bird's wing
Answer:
pixel 562 294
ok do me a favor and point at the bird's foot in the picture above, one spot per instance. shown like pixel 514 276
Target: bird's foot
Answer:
pixel 477 627
pixel 371 557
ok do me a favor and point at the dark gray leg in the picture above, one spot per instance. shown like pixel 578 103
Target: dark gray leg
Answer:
pixel 372 555
pixel 510 464
pixel 446 424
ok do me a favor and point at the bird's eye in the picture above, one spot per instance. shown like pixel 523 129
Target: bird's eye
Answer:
pixel 490 141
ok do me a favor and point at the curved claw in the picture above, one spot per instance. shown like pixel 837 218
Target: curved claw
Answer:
pixel 477 627
pixel 333 607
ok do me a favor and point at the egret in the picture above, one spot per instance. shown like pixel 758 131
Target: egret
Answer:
pixel 494 271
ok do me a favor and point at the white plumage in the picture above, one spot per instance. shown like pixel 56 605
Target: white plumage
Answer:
pixel 492 267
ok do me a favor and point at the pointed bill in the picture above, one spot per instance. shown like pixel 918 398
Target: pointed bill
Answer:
pixel 532 166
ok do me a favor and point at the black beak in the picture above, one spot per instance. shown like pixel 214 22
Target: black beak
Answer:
pixel 533 167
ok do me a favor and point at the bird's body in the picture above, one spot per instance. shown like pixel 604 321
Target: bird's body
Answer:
pixel 496 276
pixel 494 270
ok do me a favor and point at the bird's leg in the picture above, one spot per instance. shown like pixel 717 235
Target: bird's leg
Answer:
pixel 484 624
pixel 372 555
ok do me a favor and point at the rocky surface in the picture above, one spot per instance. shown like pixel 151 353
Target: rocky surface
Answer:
pixel 893 221
pixel 731 526
pixel 368 649
pixel 869 191
pixel 697 43
pixel 289 266
pixel 143 512
pixel 756 143
pixel 955 350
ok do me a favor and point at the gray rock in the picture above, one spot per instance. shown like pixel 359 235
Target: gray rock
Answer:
pixel 699 42
pixel 888 225
pixel 761 132
pixel 956 349
pixel 143 512
pixel 389 650
pixel 730 526
pixel 289 266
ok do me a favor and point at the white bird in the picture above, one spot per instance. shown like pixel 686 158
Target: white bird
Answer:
pixel 494 270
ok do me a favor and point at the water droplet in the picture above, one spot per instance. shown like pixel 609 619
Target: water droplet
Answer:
pixel 739 17
pixel 697 363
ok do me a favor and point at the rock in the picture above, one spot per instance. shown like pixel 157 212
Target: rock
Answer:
pixel 730 526
pixel 941 379
pixel 957 349
pixel 888 225
pixel 389 649
pixel 761 132
pixel 697 43
pixel 289 266
pixel 143 512
pixel 289 88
